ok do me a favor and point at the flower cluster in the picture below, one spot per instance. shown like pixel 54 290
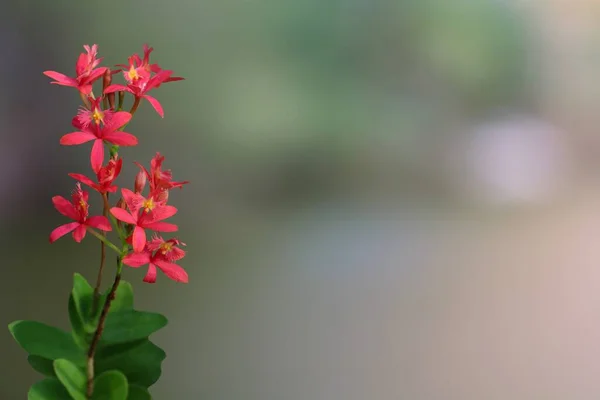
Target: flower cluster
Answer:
pixel 102 122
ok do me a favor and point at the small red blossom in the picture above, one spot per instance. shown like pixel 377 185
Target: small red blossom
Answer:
pixel 105 175
pixel 77 209
pixel 94 114
pixel 141 77
pixel 144 213
pixel 139 84
pixel 160 179
pixel 162 254
pixel 99 134
pixel 86 70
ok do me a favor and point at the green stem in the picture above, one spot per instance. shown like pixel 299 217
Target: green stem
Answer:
pixel 94 344
pixel 105 240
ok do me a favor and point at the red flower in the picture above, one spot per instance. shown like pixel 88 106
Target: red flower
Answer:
pixel 160 180
pixel 144 213
pixel 77 210
pixel 95 113
pixel 106 175
pixel 140 84
pixel 159 253
pixel 144 64
pixel 141 77
pixel 107 133
pixel 85 69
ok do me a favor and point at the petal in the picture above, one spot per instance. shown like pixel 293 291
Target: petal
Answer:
pixel 85 89
pixel 120 138
pixel 161 212
pixel 117 120
pixel 83 179
pixel 62 231
pixel 136 260
pixel 123 215
pixel 97 73
pixel 99 222
pixel 61 79
pixel 156 105
pixel 65 207
pixel 162 227
pixel 116 88
pixel 151 274
pixel 97 156
pixel 139 239
pixel 75 138
pixel 173 271
pixel 79 233
pixel 133 200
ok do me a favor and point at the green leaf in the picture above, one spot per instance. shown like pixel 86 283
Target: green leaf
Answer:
pixel 141 364
pixel 48 389
pixel 79 333
pixel 42 365
pixel 46 341
pixel 83 297
pixel 138 393
pixel 123 298
pixel 128 326
pixel 107 350
pixel 83 294
pixel 110 385
pixel 72 378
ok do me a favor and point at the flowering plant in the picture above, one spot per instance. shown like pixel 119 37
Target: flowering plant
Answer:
pixel 108 354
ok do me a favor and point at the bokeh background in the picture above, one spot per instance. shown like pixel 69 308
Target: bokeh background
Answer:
pixel 390 199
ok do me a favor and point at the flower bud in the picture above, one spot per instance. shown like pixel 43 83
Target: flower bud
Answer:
pixel 121 204
pixel 121 98
pixel 140 182
pixel 106 81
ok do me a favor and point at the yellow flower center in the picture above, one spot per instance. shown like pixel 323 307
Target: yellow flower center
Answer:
pixel 98 116
pixel 166 247
pixel 133 74
pixel 148 204
pixel 83 206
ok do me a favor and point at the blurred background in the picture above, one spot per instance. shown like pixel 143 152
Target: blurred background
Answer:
pixel 390 199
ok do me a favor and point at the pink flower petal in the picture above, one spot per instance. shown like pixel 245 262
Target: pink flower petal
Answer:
pixel 65 207
pixel 75 138
pixel 123 215
pixel 136 260
pixel 61 79
pixel 162 227
pixel 97 73
pixel 83 179
pixel 79 233
pixel 151 274
pixel 117 120
pixel 139 239
pixel 161 212
pixel 97 156
pixel 62 231
pixel 134 201
pixel 116 88
pixel 173 271
pixel 99 222
pixel 156 105
pixel 120 138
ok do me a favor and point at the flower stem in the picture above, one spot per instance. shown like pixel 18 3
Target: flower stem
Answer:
pixel 105 240
pixel 102 257
pixel 94 344
pixel 86 102
pixel 134 107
